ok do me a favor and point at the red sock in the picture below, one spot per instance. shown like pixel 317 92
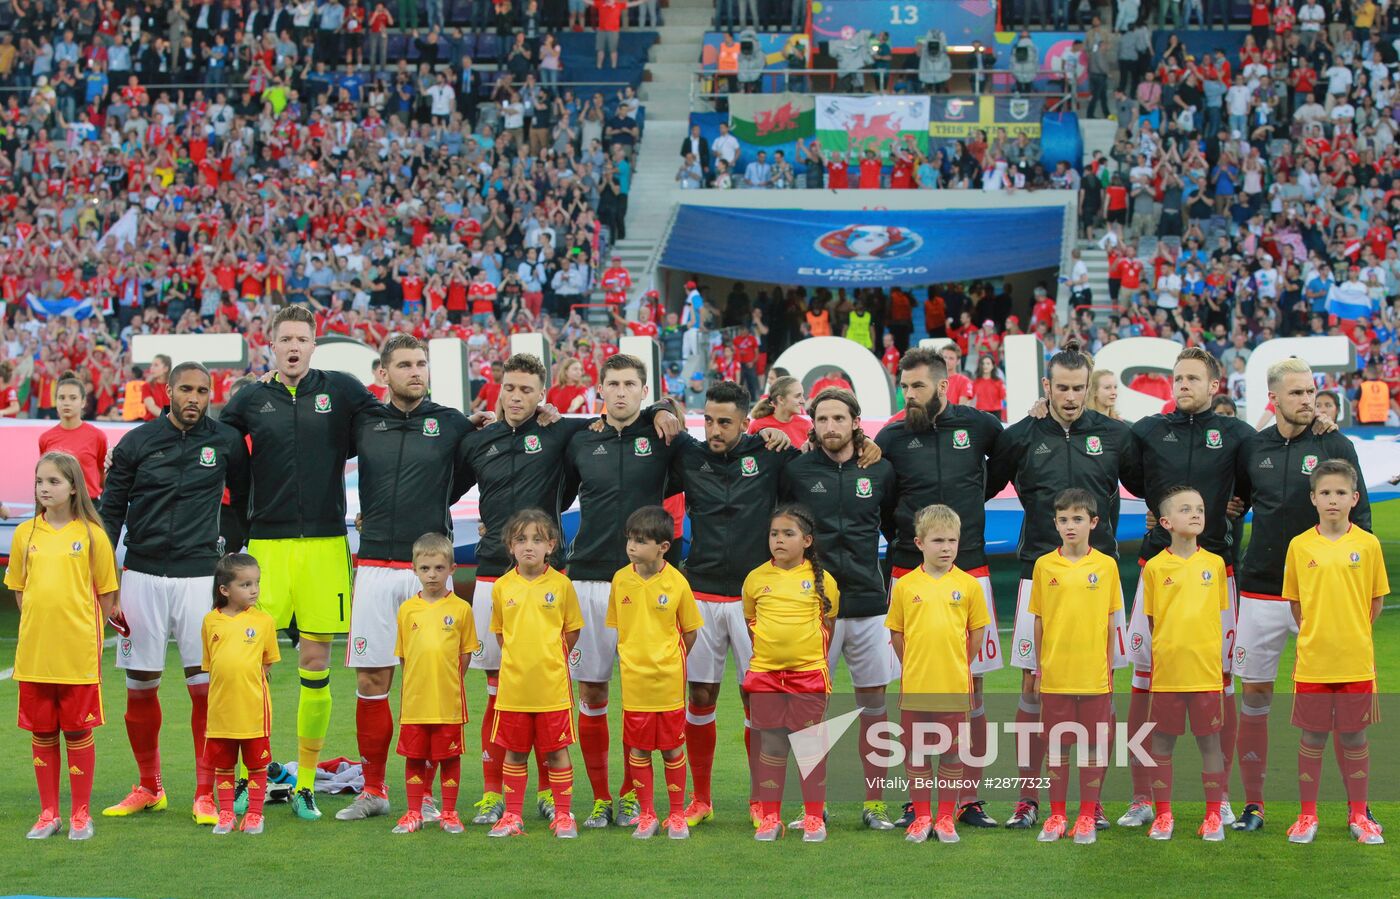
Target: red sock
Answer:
pixel 1059 789
pixel 82 756
pixel 920 790
pixel 451 775
pixel 700 737
pixel 1309 777
pixel 143 731
pixel 48 763
pixel 874 774
pixel 770 775
pixel 513 780
pixel 415 779
pixel 198 687
pixel 814 790
pixel 257 784
pixel 561 781
pixel 374 729
pixel 492 756
pixel 949 772
pixel 1161 784
pixel 1356 774
pixel 748 751
pixel 1229 731
pixel 1214 783
pixel 224 778
pixel 1029 714
pixel 972 767
pixel 1139 705
pixel 1090 788
pixel 641 777
pixel 1254 754
pixel 593 743
pixel 675 783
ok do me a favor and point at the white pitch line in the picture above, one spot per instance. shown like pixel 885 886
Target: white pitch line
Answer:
pixel 7 674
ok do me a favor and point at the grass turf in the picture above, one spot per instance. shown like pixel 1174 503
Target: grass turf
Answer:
pixel 164 854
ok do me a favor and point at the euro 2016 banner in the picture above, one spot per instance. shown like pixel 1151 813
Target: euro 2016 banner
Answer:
pixel 871 123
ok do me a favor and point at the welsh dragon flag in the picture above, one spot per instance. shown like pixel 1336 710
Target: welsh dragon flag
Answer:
pixel 873 122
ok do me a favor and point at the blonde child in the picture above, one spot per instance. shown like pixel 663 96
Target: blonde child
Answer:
pixel 790 604
pixel 536 618
pixel 61 559
pixel 656 619
pixel 937 612
pixel 436 638
pixel 240 645
pixel 1184 590
pixel 1335 580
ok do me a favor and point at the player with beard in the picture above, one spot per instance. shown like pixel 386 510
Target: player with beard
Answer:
pixel 166 485
pixel 731 485
pixel 1073 446
pixel 517 463
pixel 851 506
pixel 939 452
pixel 407 449
pixel 301 421
pixel 1273 475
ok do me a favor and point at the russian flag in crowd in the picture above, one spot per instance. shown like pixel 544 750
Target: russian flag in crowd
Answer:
pixel 1349 301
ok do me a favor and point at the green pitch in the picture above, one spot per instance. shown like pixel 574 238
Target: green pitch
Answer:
pixel 164 854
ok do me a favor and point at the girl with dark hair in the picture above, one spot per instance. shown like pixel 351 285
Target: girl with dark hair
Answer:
pixel 790 604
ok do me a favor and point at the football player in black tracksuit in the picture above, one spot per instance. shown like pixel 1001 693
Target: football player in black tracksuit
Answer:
pixel 852 506
pixel 614 472
pixel 1272 475
pixel 166 485
pixel 301 422
pixel 1193 446
pixel 1073 446
pixel 517 463
pixel 939 452
pixel 407 450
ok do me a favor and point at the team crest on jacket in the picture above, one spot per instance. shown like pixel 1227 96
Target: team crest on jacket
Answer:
pixel 960 439
pixel 430 427
pixel 1309 463
pixel 323 403
pixel 532 443
pixel 1213 440
pixel 748 466
pixel 1024 648
pixel 207 456
pixel 1137 642
pixel 361 644
pixel 863 487
pixel 641 446
pixel 1093 446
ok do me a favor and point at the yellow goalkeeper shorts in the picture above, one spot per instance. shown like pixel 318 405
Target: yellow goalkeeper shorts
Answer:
pixel 308 577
